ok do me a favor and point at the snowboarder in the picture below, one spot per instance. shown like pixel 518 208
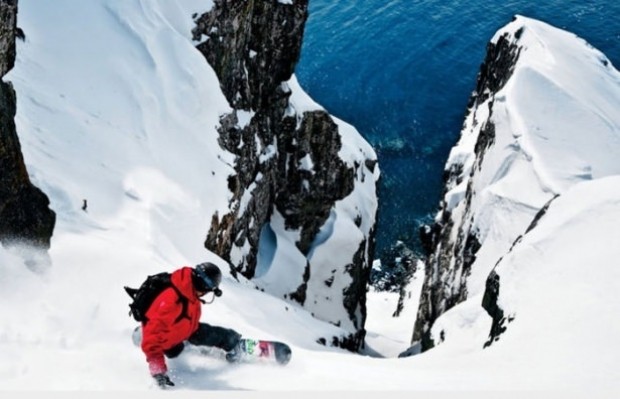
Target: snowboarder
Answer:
pixel 173 318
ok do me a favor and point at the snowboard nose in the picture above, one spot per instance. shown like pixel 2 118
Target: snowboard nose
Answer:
pixel 283 353
pixel 136 336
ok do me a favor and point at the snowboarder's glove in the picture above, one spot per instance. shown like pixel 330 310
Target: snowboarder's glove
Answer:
pixel 163 381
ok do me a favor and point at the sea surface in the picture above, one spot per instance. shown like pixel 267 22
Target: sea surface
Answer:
pixel 402 71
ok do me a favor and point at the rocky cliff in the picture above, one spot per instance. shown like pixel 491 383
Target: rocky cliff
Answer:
pixel 25 217
pixel 523 143
pixel 293 165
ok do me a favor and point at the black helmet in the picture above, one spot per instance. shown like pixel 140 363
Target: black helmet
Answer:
pixel 207 277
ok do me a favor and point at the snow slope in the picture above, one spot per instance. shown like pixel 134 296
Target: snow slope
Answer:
pixel 105 88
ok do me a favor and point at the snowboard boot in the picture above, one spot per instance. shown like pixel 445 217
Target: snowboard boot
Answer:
pixel 234 355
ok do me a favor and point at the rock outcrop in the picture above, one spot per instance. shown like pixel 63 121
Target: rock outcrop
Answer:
pixel 290 173
pixel 450 242
pixel 522 144
pixel 25 216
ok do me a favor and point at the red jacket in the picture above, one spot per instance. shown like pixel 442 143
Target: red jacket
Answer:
pixel 165 328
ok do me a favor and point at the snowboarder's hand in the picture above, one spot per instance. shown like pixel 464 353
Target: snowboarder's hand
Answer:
pixel 163 381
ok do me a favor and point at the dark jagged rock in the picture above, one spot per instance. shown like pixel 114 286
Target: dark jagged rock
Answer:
pixel 406 262
pixel 489 303
pixel 25 217
pixel 396 270
pixel 8 29
pixel 24 213
pixel 497 68
pixel 253 47
pixel 305 197
pixel 300 294
pixel 449 260
pixel 355 296
pixel 540 214
pixel 492 286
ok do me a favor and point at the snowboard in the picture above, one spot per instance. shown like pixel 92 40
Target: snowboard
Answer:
pixel 251 350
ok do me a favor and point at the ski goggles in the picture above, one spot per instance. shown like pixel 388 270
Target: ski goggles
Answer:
pixel 211 286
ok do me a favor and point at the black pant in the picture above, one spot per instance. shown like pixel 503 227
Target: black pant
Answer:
pixel 208 335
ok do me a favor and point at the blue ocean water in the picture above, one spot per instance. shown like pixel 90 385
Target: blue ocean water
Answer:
pixel 402 71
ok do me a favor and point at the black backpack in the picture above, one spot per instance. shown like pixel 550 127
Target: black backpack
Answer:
pixel 144 296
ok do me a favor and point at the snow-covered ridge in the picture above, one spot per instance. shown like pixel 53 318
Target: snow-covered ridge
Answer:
pixel 551 124
pixel 556 123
